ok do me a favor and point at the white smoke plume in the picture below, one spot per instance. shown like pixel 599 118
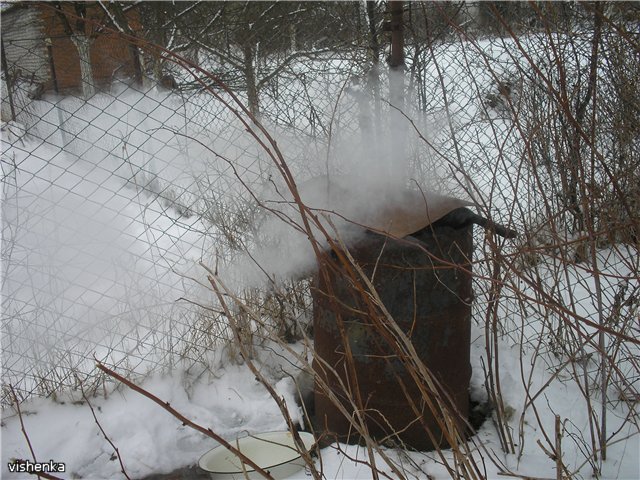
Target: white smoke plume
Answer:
pixel 365 180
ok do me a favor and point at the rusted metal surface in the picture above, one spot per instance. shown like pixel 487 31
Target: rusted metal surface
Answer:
pixel 430 300
pixel 396 210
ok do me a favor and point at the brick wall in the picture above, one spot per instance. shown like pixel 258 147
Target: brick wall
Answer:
pixel 111 55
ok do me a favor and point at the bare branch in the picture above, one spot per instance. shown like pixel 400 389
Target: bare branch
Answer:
pixel 184 420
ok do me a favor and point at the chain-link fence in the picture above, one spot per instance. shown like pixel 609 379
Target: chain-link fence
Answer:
pixel 119 186
pixel 114 189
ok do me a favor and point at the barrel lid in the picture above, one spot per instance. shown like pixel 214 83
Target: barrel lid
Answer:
pixel 385 208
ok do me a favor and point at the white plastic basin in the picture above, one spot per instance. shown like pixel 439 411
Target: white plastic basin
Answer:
pixel 275 452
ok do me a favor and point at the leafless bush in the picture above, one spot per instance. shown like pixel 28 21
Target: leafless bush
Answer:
pixel 541 130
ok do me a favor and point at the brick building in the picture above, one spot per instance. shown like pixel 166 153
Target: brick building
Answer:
pixel 37 46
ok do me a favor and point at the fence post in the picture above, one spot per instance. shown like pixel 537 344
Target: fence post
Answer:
pixel 137 66
pixel 5 67
pixel 396 89
pixel 52 64
pixel 396 60
pixel 397 40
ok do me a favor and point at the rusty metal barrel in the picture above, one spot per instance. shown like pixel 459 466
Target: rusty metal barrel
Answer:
pixel 424 281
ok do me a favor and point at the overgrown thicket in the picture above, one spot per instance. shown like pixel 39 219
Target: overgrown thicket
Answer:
pixel 532 109
pixel 563 115
pixel 561 118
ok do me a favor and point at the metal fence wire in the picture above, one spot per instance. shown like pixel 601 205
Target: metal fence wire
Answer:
pixel 122 174
pixel 113 191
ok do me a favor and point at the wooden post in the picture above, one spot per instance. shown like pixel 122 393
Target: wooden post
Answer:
pixel 137 65
pixel 5 67
pixel 397 145
pixel 396 59
pixel 52 65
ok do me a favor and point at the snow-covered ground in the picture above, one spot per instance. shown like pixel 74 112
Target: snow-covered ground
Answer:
pixel 105 222
pixel 231 402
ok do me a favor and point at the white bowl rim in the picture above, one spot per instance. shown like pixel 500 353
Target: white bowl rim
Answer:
pixel 250 469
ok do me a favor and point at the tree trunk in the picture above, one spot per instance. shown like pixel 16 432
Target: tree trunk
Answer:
pixel 292 37
pixel 250 79
pixel 83 45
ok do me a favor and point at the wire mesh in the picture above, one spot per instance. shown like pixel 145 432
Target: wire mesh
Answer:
pixel 117 186
pixel 114 191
